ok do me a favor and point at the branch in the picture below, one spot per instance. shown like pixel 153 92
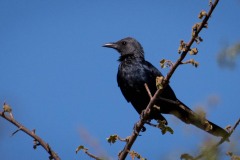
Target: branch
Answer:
pixel 221 141
pixel 85 150
pixel 92 156
pixel 140 124
pixel 148 90
pixel 37 139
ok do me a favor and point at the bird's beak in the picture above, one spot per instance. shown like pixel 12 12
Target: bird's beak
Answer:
pixel 110 45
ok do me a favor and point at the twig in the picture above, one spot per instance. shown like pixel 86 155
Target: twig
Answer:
pixel 148 90
pixel 151 124
pixel 85 150
pixel 191 61
pixel 188 46
pixel 46 146
pixel 139 125
pixel 93 156
pixel 166 63
pixel 230 133
pixel 122 139
pixel 221 141
pixel 19 129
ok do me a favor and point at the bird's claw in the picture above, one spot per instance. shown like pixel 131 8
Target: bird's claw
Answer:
pixel 135 129
pixel 143 129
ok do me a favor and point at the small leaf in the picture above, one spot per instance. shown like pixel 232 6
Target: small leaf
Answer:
pixel 194 63
pixel 210 2
pixel 81 148
pixel 159 82
pixel 164 128
pixel 112 139
pixel 193 51
pixel 208 126
pixel 7 108
pixel 134 155
pixel 233 157
pixel 202 14
pixel 194 29
pixel 169 129
pixel 182 47
pixel 162 63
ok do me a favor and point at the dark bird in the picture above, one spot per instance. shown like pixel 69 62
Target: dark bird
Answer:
pixel 134 71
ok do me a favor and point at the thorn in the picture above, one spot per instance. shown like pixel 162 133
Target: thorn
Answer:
pixel 16 131
pixel 34 131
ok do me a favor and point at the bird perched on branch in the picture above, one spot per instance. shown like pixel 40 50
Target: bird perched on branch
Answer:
pixel 134 71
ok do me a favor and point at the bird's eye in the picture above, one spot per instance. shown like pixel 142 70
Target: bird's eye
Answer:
pixel 124 43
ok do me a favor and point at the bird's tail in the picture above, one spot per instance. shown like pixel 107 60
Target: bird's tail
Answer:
pixel 188 116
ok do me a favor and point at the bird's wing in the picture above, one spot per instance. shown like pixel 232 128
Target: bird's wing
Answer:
pixel 151 73
pixel 124 87
pixel 140 73
pixel 151 70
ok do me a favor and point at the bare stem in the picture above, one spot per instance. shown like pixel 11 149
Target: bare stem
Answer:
pixel 32 134
pixel 92 156
pixel 148 90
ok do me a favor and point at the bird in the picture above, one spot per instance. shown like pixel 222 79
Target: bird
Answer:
pixel 134 71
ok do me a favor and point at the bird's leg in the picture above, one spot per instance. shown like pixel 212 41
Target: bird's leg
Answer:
pixel 143 129
pixel 142 115
pixel 151 124
pixel 145 119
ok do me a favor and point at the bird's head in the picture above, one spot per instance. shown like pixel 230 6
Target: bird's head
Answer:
pixel 127 46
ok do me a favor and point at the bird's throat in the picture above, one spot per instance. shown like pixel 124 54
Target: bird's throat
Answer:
pixel 126 57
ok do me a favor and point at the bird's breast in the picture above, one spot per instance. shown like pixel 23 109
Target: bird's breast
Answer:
pixel 132 74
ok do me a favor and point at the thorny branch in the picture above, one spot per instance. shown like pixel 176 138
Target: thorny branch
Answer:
pixel 140 124
pixel 37 139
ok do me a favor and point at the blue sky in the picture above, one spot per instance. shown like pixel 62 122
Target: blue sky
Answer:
pixel 61 82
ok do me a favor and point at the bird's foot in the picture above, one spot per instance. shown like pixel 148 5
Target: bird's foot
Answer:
pixel 135 129
pixel 143 129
